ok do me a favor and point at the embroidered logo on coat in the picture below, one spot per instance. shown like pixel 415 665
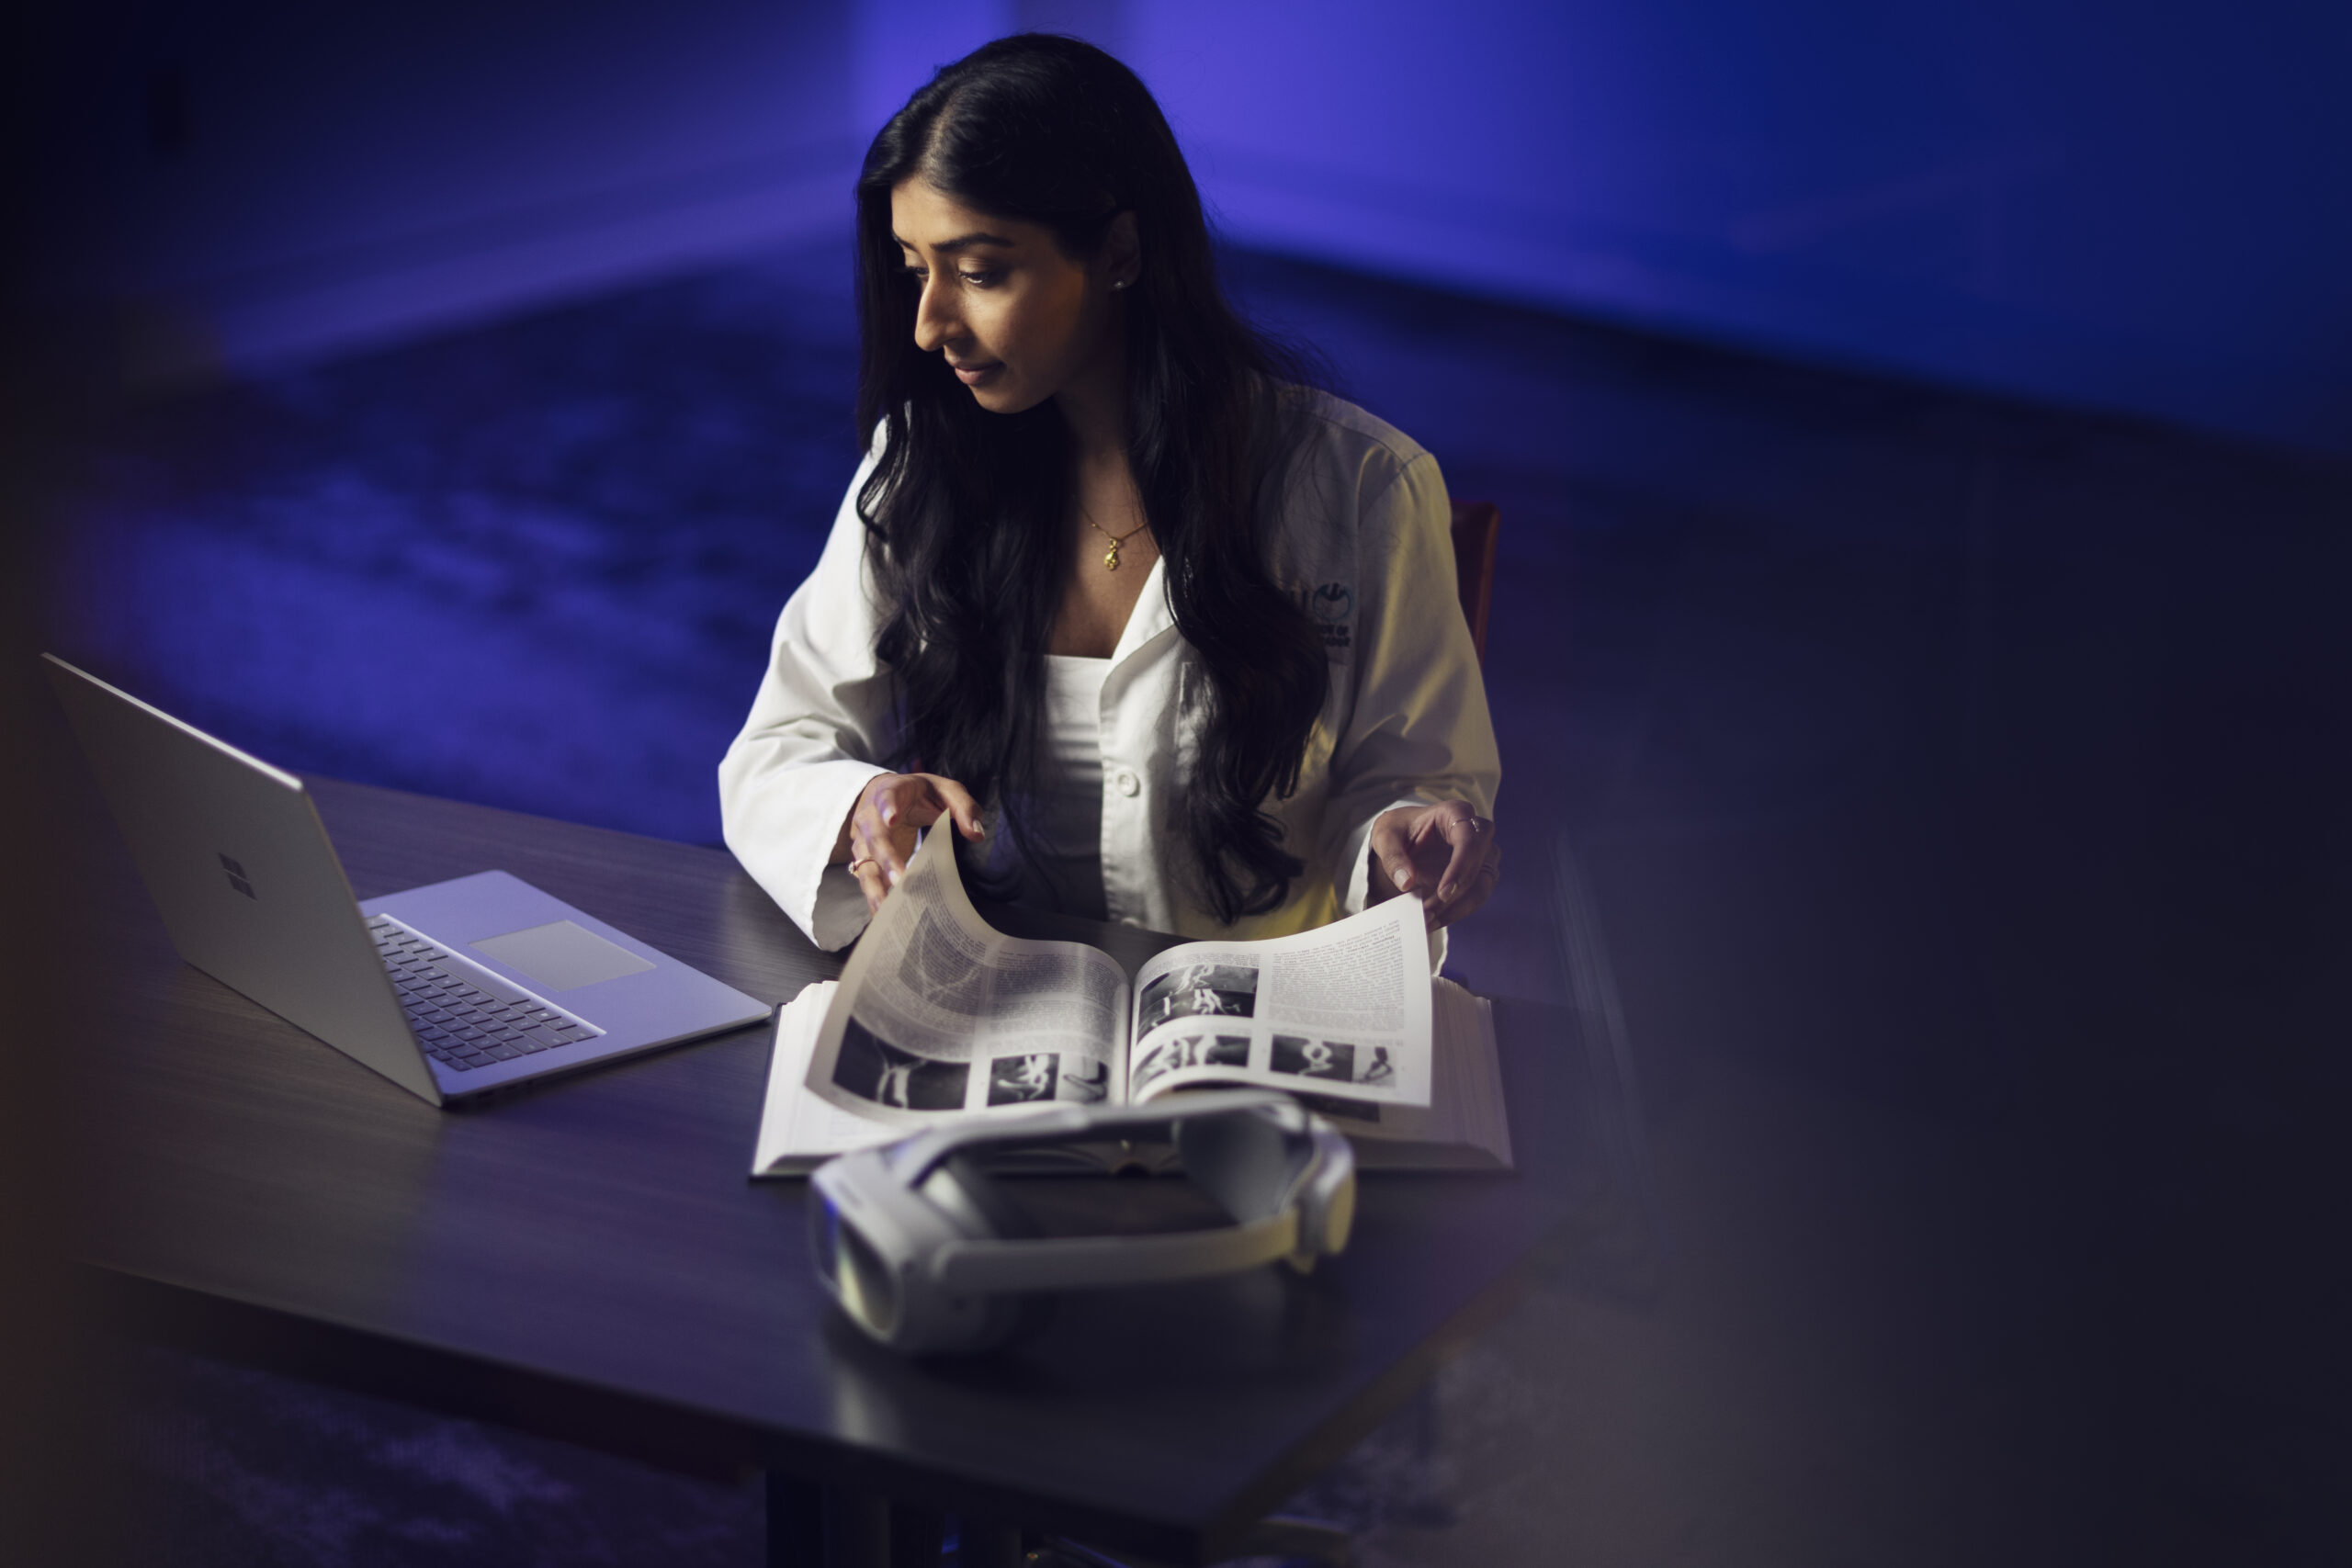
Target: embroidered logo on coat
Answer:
pixel 1331 605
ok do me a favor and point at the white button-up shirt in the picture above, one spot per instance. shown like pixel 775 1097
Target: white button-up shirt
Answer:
pixel 1364 542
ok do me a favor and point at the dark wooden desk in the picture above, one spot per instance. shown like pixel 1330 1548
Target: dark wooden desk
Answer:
pixel 588 1258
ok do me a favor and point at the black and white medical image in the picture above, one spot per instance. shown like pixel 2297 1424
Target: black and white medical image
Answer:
pixel 1192 1051
pixel 949 977
pixel 1152 1065
pixel 1199 990
pixel 1017 1080
pixel 1377 1070
pixel 872 1068
pixel 1084 1081
pixel 1314 1058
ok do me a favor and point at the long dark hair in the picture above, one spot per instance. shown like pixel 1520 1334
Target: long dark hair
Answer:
pixel 965 507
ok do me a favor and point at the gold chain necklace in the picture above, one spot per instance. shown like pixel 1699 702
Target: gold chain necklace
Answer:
pixel 1111 555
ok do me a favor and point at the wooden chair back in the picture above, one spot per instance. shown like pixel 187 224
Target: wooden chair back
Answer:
pixel 1475 523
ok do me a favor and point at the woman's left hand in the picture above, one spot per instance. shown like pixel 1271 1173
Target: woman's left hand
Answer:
pixel 1447 854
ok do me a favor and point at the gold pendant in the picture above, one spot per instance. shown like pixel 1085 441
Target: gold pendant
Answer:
pixel 1111 558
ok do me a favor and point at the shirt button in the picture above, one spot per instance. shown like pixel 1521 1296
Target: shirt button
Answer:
pixel 1125 783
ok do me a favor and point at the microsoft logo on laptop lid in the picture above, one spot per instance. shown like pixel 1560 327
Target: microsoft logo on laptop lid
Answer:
pixel 237 876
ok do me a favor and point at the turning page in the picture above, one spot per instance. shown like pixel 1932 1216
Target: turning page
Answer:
pixel 938 1014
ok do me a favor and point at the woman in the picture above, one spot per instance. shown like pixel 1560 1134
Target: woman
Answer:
pixel 1170 639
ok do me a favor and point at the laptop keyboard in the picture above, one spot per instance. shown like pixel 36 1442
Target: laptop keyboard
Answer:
pixel 459 1024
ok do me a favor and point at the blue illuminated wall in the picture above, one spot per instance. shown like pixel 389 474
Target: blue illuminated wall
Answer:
pixel 269 181
pixel 2140 205
pixel 2129 206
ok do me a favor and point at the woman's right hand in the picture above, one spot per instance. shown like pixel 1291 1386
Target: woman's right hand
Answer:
pixel 879 837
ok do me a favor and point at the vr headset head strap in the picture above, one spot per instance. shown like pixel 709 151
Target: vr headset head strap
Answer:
pixel 1079 1262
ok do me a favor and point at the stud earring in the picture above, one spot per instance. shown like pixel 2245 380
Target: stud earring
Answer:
pixel 1122 283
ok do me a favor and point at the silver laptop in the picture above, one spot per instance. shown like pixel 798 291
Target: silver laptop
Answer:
pixel 447 991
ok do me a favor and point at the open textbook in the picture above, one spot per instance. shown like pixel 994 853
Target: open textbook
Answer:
pixel 938 1015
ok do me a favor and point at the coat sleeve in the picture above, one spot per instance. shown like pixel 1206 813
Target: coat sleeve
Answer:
pixel 1418 731
pixel 818 731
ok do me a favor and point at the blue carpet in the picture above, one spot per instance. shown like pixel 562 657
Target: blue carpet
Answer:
pixel 533 566
pixel 239 1469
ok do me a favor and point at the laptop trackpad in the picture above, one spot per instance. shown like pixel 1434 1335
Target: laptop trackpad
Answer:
pixel 561 955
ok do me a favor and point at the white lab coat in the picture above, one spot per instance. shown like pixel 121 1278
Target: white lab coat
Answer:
pixel 1365 540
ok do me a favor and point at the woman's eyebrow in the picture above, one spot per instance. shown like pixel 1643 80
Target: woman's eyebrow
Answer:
pixel 963 242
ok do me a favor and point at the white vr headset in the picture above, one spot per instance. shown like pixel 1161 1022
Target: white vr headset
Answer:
pixel 925 1252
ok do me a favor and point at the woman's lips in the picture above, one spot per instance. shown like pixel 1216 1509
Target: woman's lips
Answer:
pixel 973 375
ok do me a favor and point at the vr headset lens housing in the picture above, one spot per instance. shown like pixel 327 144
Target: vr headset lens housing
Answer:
pixel 858 1278
pixel 925 1252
